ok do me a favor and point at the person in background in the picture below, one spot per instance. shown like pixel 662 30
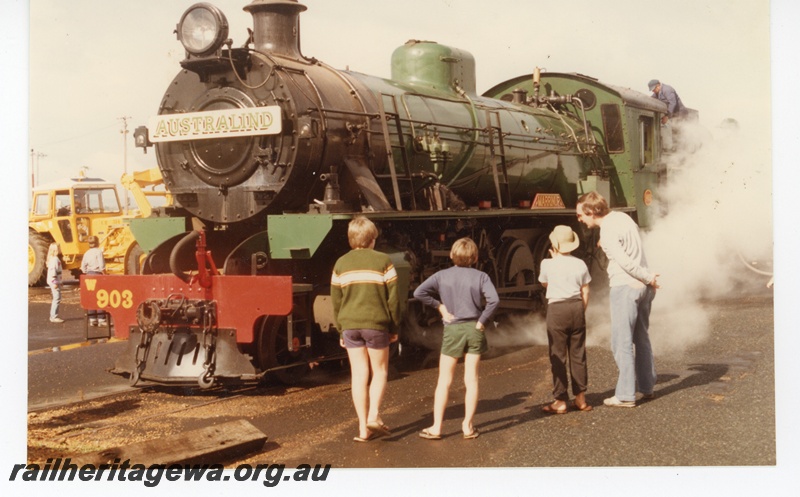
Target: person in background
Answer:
pixel 633 288
pixel 567 281
pixel 94 262
pixel 54 280
pixel 668 95
pixel 366 311
pixel 461 290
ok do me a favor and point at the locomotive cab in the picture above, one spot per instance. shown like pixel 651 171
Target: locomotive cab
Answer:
pixel 625 123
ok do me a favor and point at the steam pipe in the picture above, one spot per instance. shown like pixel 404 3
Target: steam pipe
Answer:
pixel 173 256
pixel 589 137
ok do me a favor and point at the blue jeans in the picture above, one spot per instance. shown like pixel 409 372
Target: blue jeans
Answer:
pixel 56 291
pixel 630 342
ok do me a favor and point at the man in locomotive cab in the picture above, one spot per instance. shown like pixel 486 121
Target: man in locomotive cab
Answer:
pixel 668 95
pixel 675 111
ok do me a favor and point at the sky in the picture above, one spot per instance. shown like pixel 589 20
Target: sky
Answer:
pixel 78 67
pixel 95 62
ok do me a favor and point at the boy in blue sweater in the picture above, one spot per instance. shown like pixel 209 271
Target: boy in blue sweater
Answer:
pixel 461 290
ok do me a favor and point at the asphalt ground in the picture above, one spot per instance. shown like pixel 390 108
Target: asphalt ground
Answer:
pixel 67 361
pixel 714 406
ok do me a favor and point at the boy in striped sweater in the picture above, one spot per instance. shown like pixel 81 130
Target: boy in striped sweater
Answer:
pixel 366 311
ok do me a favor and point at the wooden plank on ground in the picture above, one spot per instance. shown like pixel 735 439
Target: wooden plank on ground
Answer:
pixel 213 444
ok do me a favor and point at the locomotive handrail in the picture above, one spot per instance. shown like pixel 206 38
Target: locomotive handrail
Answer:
pixel 398 204
pixel 493 157
pixel 545 140
pixel 348 112
pixel 236 73
pixel 471 147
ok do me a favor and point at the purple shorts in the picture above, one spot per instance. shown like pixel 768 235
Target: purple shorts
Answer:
pixel 372 339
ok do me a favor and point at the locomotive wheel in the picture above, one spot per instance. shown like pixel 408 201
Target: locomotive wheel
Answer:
pixel 540 251
pixel 37 263
pixel 517 266
pixel 273 352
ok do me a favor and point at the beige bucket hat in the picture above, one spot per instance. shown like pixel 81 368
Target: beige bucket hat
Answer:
pixel 564 239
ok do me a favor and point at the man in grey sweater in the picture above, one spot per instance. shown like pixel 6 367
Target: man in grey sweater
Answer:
pixel 633 288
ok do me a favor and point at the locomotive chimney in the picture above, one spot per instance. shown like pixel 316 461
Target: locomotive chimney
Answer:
pixel 276 26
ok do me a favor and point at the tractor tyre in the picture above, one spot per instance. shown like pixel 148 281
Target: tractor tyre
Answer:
pixel 134 260
pixel 37 259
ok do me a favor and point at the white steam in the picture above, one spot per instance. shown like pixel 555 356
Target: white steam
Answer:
pixel 719 216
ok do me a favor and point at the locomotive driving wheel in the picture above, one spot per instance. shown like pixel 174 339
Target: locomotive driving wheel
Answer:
pixel 516 267
pixel 540 251
pixel 287 362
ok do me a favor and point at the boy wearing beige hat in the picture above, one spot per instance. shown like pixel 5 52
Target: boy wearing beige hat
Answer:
pixel 566 279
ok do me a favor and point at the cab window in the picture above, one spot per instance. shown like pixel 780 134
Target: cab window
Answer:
pixel 646 141
pixel 612 126
pixel 99 200
pixel 41 205
pixel 63 205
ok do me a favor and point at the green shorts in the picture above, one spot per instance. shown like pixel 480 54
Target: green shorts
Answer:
pixel 463 337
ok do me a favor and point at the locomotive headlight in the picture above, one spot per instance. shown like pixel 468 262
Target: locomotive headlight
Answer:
pixel 202 29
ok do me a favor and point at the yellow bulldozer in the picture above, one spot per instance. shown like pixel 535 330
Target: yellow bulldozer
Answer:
pixel 69 211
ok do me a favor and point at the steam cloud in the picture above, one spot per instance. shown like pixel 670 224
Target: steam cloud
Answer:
pixel 719 217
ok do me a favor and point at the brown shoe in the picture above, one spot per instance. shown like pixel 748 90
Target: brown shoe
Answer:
pixel 582 407
pixel 553 409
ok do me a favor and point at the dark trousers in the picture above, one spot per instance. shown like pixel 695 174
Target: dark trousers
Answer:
pixel 94 314
pixel 566 337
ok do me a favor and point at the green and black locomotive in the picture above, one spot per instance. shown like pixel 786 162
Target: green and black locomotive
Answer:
pixel 269 154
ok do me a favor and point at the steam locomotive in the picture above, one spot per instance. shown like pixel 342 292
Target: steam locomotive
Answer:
pixel 269 154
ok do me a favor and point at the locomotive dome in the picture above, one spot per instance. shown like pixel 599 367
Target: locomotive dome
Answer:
pixel 436 66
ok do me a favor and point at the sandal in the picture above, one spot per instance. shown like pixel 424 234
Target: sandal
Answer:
pixel 550 409
pixel 427 435
pixel 469 436
pixel 585 407
pixel 379 428
pixel 370 436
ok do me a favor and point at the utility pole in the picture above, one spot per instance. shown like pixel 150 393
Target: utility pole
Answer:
pixel 35 156
pixel 125 159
